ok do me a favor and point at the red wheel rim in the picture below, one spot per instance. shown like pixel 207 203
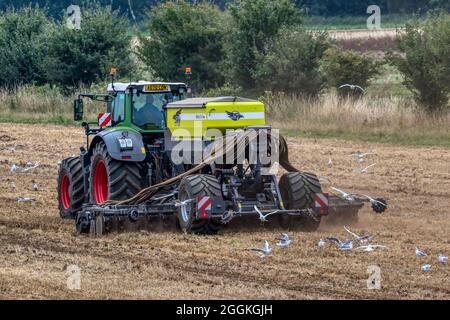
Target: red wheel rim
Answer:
pixel 100 183
pixel 65 195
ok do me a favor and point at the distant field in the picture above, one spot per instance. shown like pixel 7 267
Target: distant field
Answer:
pixel 343 23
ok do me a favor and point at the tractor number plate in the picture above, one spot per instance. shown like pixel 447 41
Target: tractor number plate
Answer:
pixel 156 87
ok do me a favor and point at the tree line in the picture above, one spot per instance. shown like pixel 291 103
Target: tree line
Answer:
pixel 249 47
pixel 137 9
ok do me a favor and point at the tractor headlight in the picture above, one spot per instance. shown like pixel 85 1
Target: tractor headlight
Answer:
pixel 125 144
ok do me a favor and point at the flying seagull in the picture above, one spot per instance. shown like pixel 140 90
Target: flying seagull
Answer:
pixel 364 170
pixel 30 166
pixel 442 258
pixel 374 201
pixel 263 217
pixel 344 195
pixel 183 203
pixel 361 156
pixel 371 247
pixel 345 246
pixel 284 241
pixel 264 251
pixel 420 253
pixel 24 199
pixel 352 87
pixel 361 239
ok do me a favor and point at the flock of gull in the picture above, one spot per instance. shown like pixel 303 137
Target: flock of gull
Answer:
pixel 344 245
pixel 14 169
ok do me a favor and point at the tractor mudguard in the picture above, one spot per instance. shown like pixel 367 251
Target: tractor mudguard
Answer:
pixel 134 153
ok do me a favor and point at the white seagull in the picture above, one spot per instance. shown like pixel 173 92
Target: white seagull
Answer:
pixel 30 166
pixel 364 170
pixel 420 253
pixel 330 163
pixel 371 247
pixel 442 258
pixel 13 184
pixel 361 239
pixel 321 244
pixel 373 201
pixel 352 87
pixel 426 267
pixel 35 187
pixel 13 168
pixel 24 199
pixel 183 203
pixel 361 156
pixel 345 246
pixel 263 217
pixel 344 195
pixel 264 251
pixel 284 241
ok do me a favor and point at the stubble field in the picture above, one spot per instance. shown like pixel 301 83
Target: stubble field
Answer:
pixel 37 247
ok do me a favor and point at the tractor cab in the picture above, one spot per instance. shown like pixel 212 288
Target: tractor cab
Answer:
pixel 142 105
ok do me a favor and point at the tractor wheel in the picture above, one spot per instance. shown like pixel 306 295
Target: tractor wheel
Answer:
pixel 111 179
pixel 192 187
pixel 70 187
pixel 297 191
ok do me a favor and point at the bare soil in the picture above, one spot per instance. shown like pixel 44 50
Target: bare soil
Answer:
pixel 36 246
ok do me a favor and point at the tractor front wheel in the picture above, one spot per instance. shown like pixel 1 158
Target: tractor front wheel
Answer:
pixel 70 187
pixel 298 190
pixel 192 187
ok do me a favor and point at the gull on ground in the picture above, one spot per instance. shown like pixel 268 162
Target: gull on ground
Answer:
pixel 35 187
pixel 420 253
pixel 263 217
pixel 264 251
pixel 330 163
pixel 284 241
pixel 13 184
pixel 426 267
pixel 371 247
pixel 362 239
pixel 345 246
pixel 13 168
pixel 442 258
pixel 321 244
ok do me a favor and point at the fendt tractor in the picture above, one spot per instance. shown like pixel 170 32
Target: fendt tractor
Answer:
pixel 127 172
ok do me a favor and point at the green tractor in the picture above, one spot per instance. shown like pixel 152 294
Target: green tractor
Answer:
pixel 135 145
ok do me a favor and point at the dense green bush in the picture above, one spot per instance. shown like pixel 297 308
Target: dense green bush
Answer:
pixel 81 57
pixel 292 63
pixel 425 61
pixel 185 35
pixel 23 46
pixel 254 24
pixel 342 67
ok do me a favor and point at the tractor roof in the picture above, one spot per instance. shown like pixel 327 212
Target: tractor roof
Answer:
pixel 120 86
pixel 202 102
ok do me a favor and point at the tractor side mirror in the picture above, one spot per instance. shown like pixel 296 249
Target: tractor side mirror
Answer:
pixel 78 109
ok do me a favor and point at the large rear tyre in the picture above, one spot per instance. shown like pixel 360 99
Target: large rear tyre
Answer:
pixel 111 179
pixel 70 187
pixel 192 187
pixel 298 190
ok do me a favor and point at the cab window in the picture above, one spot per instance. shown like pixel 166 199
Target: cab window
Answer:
pixel 118 108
